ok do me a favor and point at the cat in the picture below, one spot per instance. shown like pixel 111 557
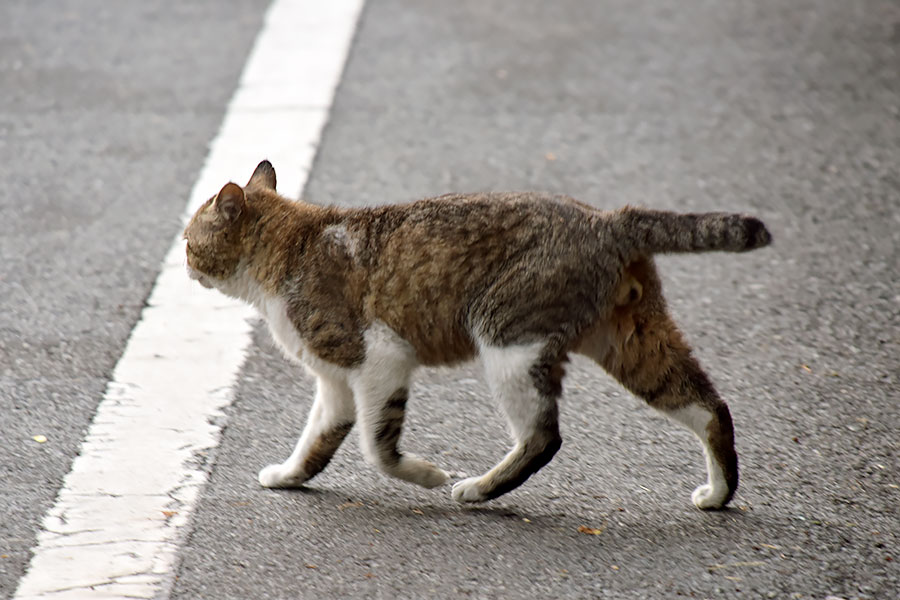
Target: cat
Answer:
pixel 363 296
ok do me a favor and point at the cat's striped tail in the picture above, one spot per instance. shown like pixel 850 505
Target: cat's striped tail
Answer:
pixel 656 231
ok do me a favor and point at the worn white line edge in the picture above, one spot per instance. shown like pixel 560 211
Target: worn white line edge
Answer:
pixel 121 513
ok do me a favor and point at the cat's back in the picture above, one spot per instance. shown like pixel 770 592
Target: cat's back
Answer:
pixel 476 219
pixel 457 256
pixel 500 210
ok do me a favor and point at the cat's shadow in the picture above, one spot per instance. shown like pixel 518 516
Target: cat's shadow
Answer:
pixel 524 522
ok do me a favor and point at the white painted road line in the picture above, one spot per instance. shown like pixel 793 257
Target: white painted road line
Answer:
pixel 121 514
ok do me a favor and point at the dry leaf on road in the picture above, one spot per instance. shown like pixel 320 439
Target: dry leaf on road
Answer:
pixel 590 530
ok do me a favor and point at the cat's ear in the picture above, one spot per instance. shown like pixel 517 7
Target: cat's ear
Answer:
pixel 263 176
pixel 229 202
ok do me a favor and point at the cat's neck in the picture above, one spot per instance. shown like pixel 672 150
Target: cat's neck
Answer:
pixel 277 237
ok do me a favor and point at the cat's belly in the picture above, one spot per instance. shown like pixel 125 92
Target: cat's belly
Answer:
pixel 435 342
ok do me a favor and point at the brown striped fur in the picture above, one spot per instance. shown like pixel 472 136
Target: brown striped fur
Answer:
pixel 453 275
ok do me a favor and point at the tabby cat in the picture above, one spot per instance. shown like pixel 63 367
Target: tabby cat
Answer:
pixel 363 296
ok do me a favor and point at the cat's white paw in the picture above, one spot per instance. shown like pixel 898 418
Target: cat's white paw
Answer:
pixel 468 490
pixel 434 477
pixel 415 470
pixel 274 476
pixel 707 497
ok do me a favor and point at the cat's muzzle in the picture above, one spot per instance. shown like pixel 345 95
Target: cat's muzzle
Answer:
pixel 199 277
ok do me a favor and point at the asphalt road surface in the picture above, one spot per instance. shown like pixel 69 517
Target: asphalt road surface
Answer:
pixel 787 110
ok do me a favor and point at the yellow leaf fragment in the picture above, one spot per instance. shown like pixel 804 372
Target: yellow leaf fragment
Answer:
pixel 40 439
pixel 590 530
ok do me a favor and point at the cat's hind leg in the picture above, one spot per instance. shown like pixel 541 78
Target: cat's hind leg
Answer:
pixel 381 389
pixel 642 348
pixel 330 419
pixel 526 388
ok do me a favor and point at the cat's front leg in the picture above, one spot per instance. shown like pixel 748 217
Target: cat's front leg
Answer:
pixel 381 389
pixel 381 422
pixel 330 419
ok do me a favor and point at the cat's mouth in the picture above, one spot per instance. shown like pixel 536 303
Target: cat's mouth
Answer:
pixel 199 278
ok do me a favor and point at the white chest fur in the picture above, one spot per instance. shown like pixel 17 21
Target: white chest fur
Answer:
pixel 283 330
pixel 274 310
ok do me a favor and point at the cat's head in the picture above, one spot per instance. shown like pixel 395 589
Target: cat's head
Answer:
pixel 215 235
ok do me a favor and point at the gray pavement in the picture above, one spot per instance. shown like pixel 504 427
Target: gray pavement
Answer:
pixel 790 111
pixel 106 110
pixel 787 110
